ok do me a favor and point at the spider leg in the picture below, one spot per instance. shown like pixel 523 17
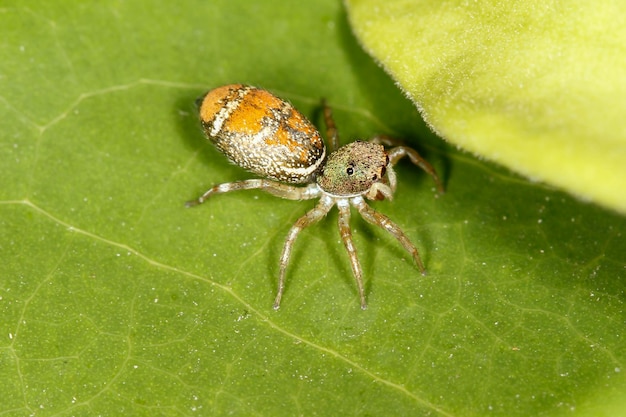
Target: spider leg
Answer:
pixel 289 192
pixel 346 236
pixel 331 127
pixel 387 140
pixel 312 216
pixel 400 151
pixel 385 223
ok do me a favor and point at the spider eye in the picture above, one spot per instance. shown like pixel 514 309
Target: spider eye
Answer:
pixel 350 170
pixel 375 177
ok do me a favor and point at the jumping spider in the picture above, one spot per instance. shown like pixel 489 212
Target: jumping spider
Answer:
pixel 268 137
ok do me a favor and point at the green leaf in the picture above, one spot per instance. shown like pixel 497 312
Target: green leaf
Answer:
pixel 117 300
pixel 536 86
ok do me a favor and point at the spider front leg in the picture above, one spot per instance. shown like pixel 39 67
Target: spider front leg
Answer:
pixel 385 223
pixel 312 216
pixel 399 151
pixel 346 236
pixel 278 189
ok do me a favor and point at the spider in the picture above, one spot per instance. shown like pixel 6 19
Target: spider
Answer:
pixel 268 137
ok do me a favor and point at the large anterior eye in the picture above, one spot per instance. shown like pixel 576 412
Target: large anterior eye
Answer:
pixel 350 169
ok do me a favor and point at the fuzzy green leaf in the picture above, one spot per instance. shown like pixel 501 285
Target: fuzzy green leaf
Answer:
pixel 536 86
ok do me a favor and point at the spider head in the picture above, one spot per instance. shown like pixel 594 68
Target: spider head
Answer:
pixel 357 168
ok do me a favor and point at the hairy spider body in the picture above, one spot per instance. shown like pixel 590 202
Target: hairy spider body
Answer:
pixel 268 137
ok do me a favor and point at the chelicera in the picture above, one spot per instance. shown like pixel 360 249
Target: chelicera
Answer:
pixel 268 137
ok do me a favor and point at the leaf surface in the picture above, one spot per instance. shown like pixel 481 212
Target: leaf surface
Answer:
pixel 117 300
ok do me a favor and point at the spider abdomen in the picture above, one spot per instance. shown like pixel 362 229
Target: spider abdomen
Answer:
pixel 262 133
